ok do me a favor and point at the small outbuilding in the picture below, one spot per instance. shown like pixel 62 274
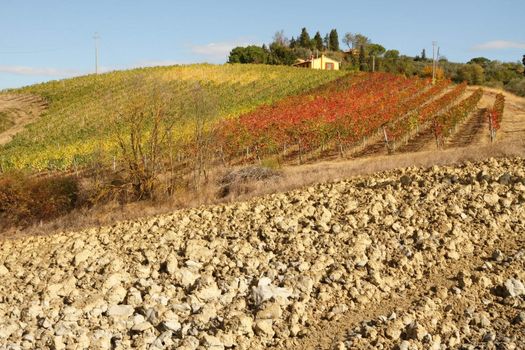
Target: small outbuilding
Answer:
pixel 322 62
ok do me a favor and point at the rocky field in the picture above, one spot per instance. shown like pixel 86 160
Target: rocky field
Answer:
pixel 408 259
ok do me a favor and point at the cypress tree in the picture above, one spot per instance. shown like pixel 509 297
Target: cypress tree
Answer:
pixel 334 40
pixel 318 42
pixel 423 55
pixel 293 43
pixel 304 39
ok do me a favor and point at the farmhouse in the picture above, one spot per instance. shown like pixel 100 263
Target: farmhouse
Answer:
pixel 322 62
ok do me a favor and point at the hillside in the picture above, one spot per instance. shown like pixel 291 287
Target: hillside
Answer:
pixel 79 120
pixel 170 134
pixel 412 258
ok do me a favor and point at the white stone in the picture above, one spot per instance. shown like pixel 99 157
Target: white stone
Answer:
pixel 82 256
pixel 186 277
pixel 123 311
pixel 210 292
pixel 264 327
pixel 514 287
pixel 265 291
pixel 141 327
pixel 211 342
pixel 172 325
pixel 172 263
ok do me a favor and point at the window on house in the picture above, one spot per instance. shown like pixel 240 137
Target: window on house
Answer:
pixel 329 66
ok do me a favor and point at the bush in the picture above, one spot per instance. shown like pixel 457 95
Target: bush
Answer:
pixel 239 180
pixel 26 200
pixel 516 86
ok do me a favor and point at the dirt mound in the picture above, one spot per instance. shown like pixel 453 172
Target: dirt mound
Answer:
pixel 409 259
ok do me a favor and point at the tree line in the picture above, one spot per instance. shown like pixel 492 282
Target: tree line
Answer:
pixel 360 53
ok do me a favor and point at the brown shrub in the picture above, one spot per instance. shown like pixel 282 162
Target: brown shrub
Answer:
pixel 26 200
pixel 241 181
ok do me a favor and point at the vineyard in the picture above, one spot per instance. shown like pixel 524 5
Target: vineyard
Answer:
pixel 346 114
pixel 249 112
pixel 78 126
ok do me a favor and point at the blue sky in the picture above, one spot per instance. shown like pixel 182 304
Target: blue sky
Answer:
pixel 43 40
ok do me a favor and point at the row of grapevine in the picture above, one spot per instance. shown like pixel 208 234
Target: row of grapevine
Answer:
pixel 445 123
pixel 495 115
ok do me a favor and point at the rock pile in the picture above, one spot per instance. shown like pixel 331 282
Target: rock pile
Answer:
pixel 408 259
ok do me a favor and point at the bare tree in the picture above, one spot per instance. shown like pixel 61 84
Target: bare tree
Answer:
pixel 348 40
pixel 280 39
pixel 144 126
pixel 203 109
pixel 355 41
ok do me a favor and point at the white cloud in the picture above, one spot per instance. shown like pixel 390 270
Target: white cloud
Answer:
pixel 499 45
pixel 216 50
pixel 39 71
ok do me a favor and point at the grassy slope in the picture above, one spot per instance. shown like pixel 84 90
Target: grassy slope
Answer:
pixel 78 121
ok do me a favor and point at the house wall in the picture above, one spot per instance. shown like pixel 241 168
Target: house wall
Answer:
pixel 320 63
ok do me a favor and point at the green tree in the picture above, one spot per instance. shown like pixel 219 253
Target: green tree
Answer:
pixel 423 55
pixel 523 61
pixel 482 61
pixel 392 54
pixel 281 55
pixel 304 39
pixel 293 43
pixel 249 54
pixel 477 74
pixel 334 40
pixel 318 42
pixel 375 50
pixel 361 40
pixel 472 73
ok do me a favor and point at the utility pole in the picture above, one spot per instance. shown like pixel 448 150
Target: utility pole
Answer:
pixel 374 63
pixel 96 37
pixel 434 43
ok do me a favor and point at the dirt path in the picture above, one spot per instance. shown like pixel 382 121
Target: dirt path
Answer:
pixel 21 111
